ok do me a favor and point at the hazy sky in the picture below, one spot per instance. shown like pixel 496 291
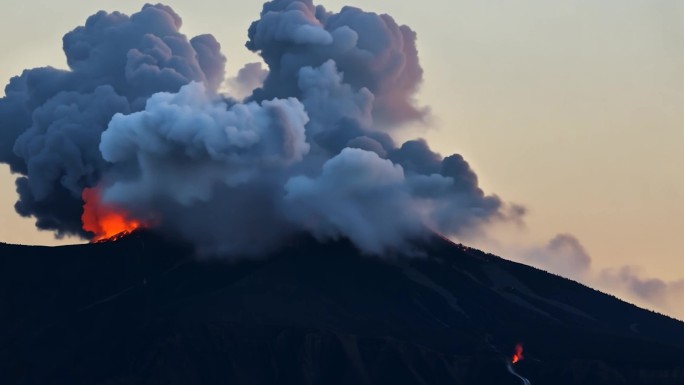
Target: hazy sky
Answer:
pixel 574 109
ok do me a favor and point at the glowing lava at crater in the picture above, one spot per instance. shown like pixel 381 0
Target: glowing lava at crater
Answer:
pixel 518 354
pixel 106 222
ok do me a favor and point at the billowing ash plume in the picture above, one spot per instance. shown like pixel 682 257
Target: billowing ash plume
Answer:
pixel 373 51
pixel 139 116
pixel 51 120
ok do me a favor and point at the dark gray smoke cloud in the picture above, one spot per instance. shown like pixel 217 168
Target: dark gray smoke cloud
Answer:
pixel 373 52
pixel 139 115
pixel 51 120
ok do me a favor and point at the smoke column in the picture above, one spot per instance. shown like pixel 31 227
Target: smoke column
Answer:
pixel 138 117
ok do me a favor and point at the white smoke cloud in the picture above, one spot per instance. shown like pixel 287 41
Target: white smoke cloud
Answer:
pixel 186 143
pixel 189 152
pixel 353 197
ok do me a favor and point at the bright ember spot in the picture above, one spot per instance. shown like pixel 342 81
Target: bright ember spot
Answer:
pixel 104 221
pixel 518 355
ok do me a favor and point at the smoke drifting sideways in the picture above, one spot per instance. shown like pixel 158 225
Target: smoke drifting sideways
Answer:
pixel 565 255
pixel 138 116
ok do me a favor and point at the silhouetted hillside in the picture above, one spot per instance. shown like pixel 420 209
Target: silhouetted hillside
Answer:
pixel 143 310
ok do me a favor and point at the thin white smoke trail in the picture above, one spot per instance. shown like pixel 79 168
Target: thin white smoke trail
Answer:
pixel 524 380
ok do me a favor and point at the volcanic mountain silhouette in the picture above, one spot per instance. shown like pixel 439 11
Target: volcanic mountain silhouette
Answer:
pixel 144 310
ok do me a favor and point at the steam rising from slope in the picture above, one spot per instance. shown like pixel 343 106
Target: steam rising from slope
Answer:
pixel 138 116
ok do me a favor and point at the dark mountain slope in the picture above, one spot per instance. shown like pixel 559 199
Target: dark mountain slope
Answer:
pixel 142 310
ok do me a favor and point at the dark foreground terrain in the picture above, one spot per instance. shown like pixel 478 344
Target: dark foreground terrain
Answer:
pixel 144 311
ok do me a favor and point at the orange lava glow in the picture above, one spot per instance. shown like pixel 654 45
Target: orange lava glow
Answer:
pixel 518 355
pixel 104 221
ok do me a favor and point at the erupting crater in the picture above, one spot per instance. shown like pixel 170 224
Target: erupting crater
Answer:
pixel 518 354
pixel 106 222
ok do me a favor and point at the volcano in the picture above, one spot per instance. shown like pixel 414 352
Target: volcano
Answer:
pixel 144 310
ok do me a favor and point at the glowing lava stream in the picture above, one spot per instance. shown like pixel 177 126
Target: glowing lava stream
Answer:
pixel 517 356
pixel 104 221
